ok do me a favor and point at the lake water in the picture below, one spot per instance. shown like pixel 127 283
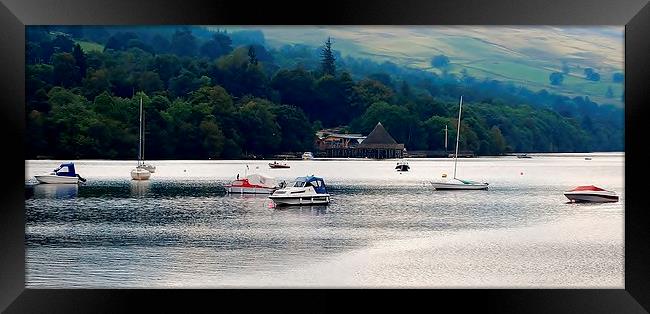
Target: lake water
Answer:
pixel 382 228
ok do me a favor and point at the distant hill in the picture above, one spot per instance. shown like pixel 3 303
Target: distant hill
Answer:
pixel 523 55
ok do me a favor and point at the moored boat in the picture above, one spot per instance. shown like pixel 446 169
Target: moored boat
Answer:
pixel 402 166
pixel 142 171
pixel 304 191
pixel 59 176
pixel 458 184
pixel 253 184
pixel 307 156
pixel 590 193
pixel 276 165
pixel 455 183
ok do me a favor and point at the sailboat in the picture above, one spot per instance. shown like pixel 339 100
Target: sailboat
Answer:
pixel 140 173
pixel 455 183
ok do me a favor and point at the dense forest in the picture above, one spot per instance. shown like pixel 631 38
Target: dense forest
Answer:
pixel 214 94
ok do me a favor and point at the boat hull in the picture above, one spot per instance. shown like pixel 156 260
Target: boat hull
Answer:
pixel 54 179
pixel 458 186
pixel 301 200
pixel 592 197
pixel 249 190
pixel 140 174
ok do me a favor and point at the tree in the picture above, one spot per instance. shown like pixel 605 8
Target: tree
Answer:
pixel 65 72
pixel 252 59
pixel 219 45
pixel 440 61
pixel 80 61
pixel 591 75
pixel 183 43
pixel 327 59
pixel 556 78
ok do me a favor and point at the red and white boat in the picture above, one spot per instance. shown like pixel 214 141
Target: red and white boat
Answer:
pixel 590 193
pixel 253 184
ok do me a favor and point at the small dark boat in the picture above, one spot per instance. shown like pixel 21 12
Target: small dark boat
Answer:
pixel 523 156
pixel 402 166
pixel 276 165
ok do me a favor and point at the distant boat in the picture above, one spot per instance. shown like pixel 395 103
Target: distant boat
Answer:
pixel 276 165
pixel 523 156
pixel 309 190
pixel 307 156
pixel 587 158
pixel 590 193
pixel 455 183
pixel 58 176
pixel 253 184
pixel 141 172
pixel 402 166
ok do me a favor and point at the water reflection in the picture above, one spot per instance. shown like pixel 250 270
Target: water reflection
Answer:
pixel 140 188
pixel 303 209
pixel 61 191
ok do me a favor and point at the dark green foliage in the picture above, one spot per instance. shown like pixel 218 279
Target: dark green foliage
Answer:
pixel 556 78
pixel 327 59
pixel 591 75
pixel 204 99
pixel 440 61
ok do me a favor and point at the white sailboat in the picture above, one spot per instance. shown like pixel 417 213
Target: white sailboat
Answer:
pixel 140 173
pixel 455 183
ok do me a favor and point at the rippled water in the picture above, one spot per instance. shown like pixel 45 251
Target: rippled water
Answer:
pixel 383 228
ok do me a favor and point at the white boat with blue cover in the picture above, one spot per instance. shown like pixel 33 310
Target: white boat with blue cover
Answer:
pixel 64 174
pixel 304 191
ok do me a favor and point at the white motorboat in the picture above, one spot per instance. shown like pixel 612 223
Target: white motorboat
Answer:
pixel 253 184
pixel 307 156
pixel 304 191
pixel 277 165
pixel 59 176
pixel 456 183
pixel 141 171
pixel 590 193
pixel 402 166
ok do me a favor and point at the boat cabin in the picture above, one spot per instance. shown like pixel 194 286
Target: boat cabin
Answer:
pixel 69 167
pixel 317 183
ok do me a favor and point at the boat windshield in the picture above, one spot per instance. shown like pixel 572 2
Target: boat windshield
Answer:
pixel 299 184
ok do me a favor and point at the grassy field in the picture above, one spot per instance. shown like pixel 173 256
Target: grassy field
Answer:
pixel 88 46
pixel 525 56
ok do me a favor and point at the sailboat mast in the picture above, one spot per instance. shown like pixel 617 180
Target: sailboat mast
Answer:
pixel 140 140
pixel 460 110
pixel 143 130
pixel 446 137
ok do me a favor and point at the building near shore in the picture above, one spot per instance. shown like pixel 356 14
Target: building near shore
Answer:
pixel 379 144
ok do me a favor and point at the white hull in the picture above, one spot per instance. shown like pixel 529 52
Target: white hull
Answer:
pixel 249 190
pixel 592 196
pixel 140 174
pixel 54 179
pixel 301 200
pixel 459 186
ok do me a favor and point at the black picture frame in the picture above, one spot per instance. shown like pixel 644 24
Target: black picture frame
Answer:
pixel 634 14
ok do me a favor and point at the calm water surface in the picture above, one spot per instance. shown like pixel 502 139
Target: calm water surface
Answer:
pixel 383 228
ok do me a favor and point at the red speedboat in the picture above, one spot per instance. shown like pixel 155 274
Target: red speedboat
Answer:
pixel 590 193
pixel 253 184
